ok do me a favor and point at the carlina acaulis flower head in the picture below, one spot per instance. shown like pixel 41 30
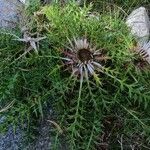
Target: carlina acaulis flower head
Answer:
pixel 83 58
pixel 144 50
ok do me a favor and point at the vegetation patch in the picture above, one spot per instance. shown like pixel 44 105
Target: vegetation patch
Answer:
pixel 84 66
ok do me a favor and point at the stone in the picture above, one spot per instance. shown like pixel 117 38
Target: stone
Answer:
pixel 9 13
pixel 11 140
pixel 139 23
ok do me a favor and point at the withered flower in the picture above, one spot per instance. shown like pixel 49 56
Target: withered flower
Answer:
pixel 83 59
pixel 144 51
pixel 31 41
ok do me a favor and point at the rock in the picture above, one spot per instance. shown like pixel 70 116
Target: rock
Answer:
pixel 139 23
pixel 11 140
pixel 9 13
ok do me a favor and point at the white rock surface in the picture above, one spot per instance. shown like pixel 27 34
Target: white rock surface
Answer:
pixel 139 22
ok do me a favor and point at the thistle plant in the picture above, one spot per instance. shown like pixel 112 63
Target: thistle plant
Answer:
pixel 83 59
pixel 100 47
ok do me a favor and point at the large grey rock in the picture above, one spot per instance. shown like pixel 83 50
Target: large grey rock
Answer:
pixel 9 13
pixel 139 23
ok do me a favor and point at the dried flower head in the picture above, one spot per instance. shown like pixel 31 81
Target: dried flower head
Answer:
pixel 31 41
pixel 83 59
pixel 144 51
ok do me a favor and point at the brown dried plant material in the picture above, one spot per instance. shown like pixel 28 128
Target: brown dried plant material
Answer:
pixel 30 40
